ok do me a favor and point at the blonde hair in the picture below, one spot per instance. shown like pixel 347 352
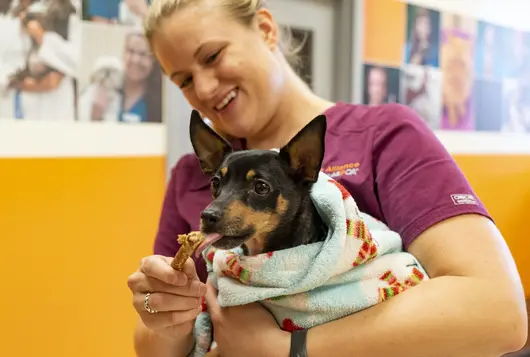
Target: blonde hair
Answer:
pixel 243 11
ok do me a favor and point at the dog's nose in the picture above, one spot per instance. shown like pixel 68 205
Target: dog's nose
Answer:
pixel 211 216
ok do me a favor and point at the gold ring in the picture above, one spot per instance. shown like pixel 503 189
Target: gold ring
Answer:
pixel 146 304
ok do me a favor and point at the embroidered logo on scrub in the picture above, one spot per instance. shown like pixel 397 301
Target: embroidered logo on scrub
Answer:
pixel 341 170
pixel 464 199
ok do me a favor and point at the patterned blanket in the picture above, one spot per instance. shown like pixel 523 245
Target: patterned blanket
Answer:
pixel 361 263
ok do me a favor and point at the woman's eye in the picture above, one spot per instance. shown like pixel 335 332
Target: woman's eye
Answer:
pixel 210 59
pixel 261 188
pixel 185 82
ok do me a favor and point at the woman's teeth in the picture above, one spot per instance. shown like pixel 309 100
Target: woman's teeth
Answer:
pixel 227 100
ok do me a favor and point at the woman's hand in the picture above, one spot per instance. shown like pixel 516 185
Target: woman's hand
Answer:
pixel 36 31
pixel 248 330
pixel 175 295
pixel 100 104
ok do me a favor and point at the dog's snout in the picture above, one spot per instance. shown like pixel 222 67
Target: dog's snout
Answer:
pixel 211 216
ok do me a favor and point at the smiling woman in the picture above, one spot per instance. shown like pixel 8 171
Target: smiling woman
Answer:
pixel 121 82
pixel 220 58
pixel 226 56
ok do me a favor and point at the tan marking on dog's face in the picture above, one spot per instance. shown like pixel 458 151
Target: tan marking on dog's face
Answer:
pixel 281 205
pixel 224 170
pixel 250 175
pixel 263 222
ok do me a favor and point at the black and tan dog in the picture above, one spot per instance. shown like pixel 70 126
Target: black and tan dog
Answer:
pixel 261 198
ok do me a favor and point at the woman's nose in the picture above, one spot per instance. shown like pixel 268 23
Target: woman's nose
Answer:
pixel 205 85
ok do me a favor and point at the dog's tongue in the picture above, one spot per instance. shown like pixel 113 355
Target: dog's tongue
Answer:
pixel 208 241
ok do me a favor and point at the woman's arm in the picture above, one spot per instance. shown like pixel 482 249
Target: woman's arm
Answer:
pixel 473 306
pixel 148 343
pixel 48 83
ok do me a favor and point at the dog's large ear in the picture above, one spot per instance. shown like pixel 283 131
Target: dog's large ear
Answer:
pixel 209 146
pixel 305 152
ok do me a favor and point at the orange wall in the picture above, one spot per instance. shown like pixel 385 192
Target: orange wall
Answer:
pixel 503 184
pixel 71 231
pixel 384 46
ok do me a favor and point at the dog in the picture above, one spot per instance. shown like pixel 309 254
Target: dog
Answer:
pixel 106 79
pixel 268 201
pixel 261 198
pixel 108 73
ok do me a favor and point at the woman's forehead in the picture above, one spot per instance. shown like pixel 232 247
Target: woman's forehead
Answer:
pixel 195 25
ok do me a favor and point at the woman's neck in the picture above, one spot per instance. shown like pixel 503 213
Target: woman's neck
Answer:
pixel 132 92
pixel 299 105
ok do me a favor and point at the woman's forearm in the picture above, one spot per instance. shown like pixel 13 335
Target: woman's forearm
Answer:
pixel 445 316
pixel 148 344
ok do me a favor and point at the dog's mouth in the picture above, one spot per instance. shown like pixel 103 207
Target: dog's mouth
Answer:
pixel 213 239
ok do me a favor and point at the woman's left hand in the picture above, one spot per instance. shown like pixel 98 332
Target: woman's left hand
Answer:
pixel 36 31
pixel 248 330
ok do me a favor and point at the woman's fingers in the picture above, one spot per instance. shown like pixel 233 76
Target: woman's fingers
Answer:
pixel 164 302
pixel 175 295
pixel 157 266
pixel 167 319
pixel 139 282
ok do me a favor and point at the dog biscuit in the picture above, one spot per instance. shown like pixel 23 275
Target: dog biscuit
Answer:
pixel 188 244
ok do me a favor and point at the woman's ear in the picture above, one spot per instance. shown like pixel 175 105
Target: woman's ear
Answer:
pixel 267 28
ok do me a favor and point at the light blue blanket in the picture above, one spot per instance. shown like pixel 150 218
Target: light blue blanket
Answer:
pixel 361 263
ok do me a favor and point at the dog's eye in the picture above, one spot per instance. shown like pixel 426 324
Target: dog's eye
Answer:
pixel 214 185
pixel 261 188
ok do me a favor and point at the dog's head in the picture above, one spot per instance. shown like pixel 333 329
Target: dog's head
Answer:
pixel 108 73
pixel 255 192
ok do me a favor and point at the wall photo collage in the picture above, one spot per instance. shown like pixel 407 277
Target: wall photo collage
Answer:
pixel 458 73
pixel 77 60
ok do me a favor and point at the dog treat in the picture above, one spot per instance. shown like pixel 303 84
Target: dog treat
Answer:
pixel 188 244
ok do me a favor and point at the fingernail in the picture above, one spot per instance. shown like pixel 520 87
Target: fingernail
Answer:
pixel 199 309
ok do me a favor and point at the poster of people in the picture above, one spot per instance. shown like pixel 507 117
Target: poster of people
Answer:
pixel 457 72
pixel 488 56
pixel 117 12
pixel 39 52
pixel 456 63
pixel 381 84
pixel 421 90
pixel 423 36
pixel 119 82
pixel 55 66
pixel 516 106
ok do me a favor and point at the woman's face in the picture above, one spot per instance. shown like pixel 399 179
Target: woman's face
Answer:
pixel 138 59
pixel 227 71
pixel 377 86
pixel 423 27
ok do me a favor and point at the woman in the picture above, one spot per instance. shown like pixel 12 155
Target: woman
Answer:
pixel 420 47
pixel 474 304
pixel 14 45
pixel 142 87
pixel 46 85
pixel 135 98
